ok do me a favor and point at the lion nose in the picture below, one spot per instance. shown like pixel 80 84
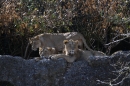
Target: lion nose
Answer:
pixel 71 52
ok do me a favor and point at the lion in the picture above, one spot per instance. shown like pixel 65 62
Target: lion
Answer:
pixel 46 51
pixel 69 52
pixel 72 53
pixel 56 40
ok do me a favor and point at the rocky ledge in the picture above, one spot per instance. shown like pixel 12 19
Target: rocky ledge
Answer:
pixel 97 71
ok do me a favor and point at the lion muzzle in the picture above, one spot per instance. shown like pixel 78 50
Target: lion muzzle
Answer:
pixel 71 52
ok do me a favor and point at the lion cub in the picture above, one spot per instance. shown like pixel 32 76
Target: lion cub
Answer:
pixel 71 52
pixel 46 51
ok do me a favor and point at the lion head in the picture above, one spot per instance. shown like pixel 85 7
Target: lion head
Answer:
pixel 47 51
pixel 71 47
pixel 35 42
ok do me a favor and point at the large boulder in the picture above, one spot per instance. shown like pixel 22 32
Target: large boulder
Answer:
pixel 21 72
pixel 47 72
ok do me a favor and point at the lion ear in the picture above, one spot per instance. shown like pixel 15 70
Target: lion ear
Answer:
pixel 65 41
pixel 53 49
pixel 49 48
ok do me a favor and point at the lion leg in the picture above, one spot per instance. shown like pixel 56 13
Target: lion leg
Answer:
pixel 66 57
pixel 56 56
pixel 37 58
pixel 69 59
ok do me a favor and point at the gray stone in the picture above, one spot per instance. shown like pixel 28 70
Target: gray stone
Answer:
pixel 21 72
pixel 48 72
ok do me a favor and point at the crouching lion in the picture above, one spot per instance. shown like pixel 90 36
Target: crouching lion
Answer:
pixel 71 52
pixel 56 40
pixel 45 52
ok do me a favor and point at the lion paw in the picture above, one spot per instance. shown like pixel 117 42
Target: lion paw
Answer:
pixel 52 57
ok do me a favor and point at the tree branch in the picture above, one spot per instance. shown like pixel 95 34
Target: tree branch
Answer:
pixel 117 40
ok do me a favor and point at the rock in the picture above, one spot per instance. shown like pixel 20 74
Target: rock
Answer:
pixel 82 74
pixel 21 72
pixel 99 60
pixel 48 72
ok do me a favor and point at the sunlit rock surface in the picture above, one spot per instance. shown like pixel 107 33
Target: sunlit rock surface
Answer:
pixel 47 72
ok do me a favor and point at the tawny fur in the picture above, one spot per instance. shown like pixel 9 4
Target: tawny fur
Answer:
pixel 56 40
pixel 71 52
pixel 46 51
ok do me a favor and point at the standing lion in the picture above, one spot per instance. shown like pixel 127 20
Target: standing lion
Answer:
pixel 55 40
